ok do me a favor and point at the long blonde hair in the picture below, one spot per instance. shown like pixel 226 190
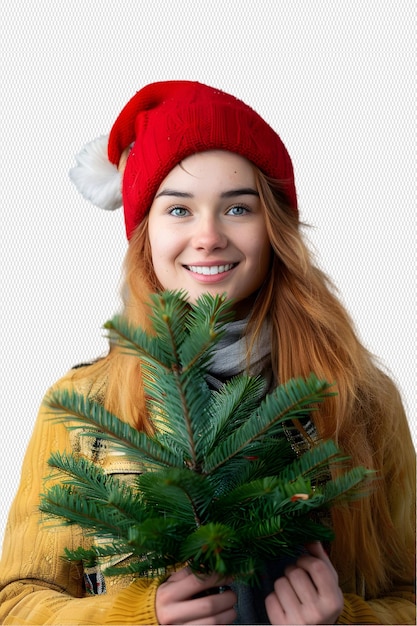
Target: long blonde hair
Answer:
pixel 311 332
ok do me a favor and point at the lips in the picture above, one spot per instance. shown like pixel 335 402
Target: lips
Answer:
pixel 210 270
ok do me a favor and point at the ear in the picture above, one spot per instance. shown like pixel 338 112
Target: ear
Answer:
pixel 98 180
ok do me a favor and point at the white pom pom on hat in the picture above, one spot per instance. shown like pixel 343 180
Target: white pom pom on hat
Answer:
pixel 97 179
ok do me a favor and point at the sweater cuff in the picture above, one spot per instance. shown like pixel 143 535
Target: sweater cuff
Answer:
pixel 135 604
pixel 357 611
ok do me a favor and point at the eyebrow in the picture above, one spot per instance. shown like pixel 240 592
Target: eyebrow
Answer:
pixel 233 193
pixel 172 192
pixel 245 191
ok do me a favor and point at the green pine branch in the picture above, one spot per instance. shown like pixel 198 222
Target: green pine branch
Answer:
pixel 285 403
pixel 219 487
pixel 78 411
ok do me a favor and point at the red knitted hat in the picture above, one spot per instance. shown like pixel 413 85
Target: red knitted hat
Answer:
pixel 166 122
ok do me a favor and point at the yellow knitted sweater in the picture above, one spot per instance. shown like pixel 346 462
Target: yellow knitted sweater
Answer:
pixel 38 587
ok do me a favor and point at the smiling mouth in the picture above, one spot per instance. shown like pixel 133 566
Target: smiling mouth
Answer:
pixel 210 270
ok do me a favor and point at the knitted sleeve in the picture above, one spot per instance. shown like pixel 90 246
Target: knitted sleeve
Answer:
pixel 397 604
pixel 37 586
pixel 395 609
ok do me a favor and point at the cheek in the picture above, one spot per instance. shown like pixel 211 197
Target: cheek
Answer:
pixel 157 251
pixel 164 251
pixel 159 259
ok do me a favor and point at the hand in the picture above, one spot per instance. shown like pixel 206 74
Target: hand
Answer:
pixel 178 600
pixel 308 593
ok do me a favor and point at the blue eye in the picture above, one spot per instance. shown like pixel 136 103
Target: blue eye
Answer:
pixel 178 211
pixel 237 209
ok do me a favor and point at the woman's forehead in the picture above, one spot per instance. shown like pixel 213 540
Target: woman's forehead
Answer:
pixel 210 166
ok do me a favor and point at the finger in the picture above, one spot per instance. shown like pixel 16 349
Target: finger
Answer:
pixel 283 604
pixel 313 580
pixel 320 597
pixel 219 607
pixel 302 602
pixel 318 564
pixel 183 586
pixel 274 609
pixel 213 609
pixel 301 584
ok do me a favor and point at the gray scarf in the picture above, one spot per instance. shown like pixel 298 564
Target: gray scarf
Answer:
pixel 230 356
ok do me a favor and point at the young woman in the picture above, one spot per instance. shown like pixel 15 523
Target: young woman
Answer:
pixel 210 206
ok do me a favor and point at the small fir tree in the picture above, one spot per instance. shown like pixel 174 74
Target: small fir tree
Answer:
pixel 220 487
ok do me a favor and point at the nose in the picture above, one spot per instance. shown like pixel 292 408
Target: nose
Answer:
pixel 209 235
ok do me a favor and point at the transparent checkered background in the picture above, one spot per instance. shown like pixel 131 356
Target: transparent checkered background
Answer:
pixel 334 79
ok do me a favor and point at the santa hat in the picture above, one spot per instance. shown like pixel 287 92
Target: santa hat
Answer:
pixel 164 123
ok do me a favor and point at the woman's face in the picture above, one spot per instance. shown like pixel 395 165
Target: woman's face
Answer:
pixel 207 230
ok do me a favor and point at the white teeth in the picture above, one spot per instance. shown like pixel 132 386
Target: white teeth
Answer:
pixel 210 270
